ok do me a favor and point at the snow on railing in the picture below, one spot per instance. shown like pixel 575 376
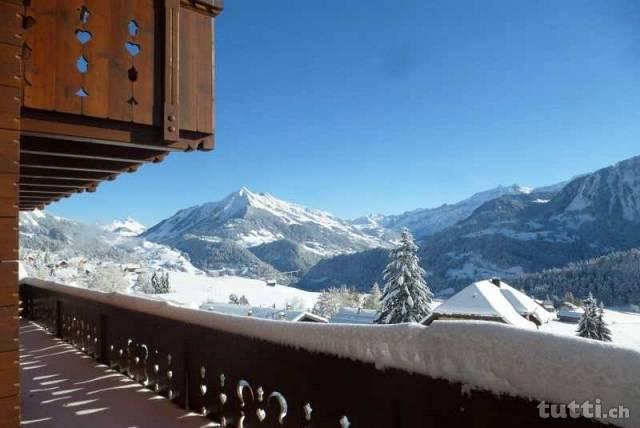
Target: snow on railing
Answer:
pixel 481 355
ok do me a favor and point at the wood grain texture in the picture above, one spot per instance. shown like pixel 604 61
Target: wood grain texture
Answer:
pixel 8 238
pixel 98 54
pixel 68 50
pixel 144 88
pixel 9 151
pixel 11 24
pixel 204 74
pixel 120 61
pixel 9 374
pixel 188 72
pixel 8 207
pixel 40 70
pixel 8 328
pixel 8 186
pixel 10 412
pixel 10 65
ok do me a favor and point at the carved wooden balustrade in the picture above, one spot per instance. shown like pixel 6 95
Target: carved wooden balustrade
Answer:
pixel 240 381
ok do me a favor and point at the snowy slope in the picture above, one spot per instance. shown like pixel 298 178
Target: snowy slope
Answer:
pixel 193 290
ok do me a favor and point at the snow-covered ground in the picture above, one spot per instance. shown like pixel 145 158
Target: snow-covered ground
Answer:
pixel 192 290
pixel 625 328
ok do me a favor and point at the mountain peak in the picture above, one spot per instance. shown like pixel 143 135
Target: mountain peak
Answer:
pixel 125 227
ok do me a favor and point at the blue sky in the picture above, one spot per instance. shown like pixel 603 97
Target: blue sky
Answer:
pixel 383 106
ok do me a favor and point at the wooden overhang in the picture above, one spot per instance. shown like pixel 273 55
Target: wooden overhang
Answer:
pixel 106 87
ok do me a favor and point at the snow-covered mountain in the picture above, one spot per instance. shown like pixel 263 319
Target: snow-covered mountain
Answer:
pixel 427 221
pixel 125 227
pixel 518 232
pixel 251 219
pixel 246 229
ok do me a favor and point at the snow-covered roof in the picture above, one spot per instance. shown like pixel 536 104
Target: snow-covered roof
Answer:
pixel 354 316
pixel 570 312
pixel 263 313
pixel 524 304
pixel 482 355
pixel 484 299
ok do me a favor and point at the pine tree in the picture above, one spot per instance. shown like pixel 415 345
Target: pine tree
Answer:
pixel 406 296
pixel 587 327
pixel 602 329
pixel 372 301
pixel 243 300
pixel 233 299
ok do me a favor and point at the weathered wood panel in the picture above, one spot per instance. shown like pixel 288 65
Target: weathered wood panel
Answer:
pixel 11 24
pixel 8 207
pixel 8 328
pixel 8 186
pixel 196 75
pixel 188 72
pixel 119 84
pixel 10 69
pixel 40 69
pixel 98 54
pixel 9 151
pixel 10 100
pixel 8 282
pixel 205 74
pixel 145 91
pixel 10 411
pixel 9 238
pixel 9 376
pixel 68 50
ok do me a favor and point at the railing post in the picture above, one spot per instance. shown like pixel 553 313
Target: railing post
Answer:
pixel 58 319
pixel 102 338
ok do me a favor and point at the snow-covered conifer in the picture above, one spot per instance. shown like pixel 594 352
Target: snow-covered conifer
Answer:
pixel 406 296
pixel 588 325
pixel 602 329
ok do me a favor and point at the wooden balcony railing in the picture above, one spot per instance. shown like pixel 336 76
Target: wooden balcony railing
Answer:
pixel 241 381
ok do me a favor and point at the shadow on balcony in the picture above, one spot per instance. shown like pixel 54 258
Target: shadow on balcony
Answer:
pixel 64 387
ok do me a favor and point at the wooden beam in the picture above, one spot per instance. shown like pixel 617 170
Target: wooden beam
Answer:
pixel 38 181
pixel 78 149
pixel 72 164
pixel 64 175
pixel 27 188
pixel 63 126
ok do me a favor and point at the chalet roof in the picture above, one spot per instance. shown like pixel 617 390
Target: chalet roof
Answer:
pixel 484 300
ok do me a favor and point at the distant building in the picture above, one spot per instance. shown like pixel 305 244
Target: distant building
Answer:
pixel 570 313
pixel 270 313
pixel 354 316
pixel 492 300
pixel 271 282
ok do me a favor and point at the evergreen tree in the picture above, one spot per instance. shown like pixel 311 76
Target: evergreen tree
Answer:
pixel 243 300
pixel 588 325
pixel 602 329
pixel 406 296
pixel 372 301
pixel 233 299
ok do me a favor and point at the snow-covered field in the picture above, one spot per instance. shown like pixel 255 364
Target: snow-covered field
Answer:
pixel 625 327
pixel 192 290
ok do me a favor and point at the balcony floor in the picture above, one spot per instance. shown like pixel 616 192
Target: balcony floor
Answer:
pixel 62 387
